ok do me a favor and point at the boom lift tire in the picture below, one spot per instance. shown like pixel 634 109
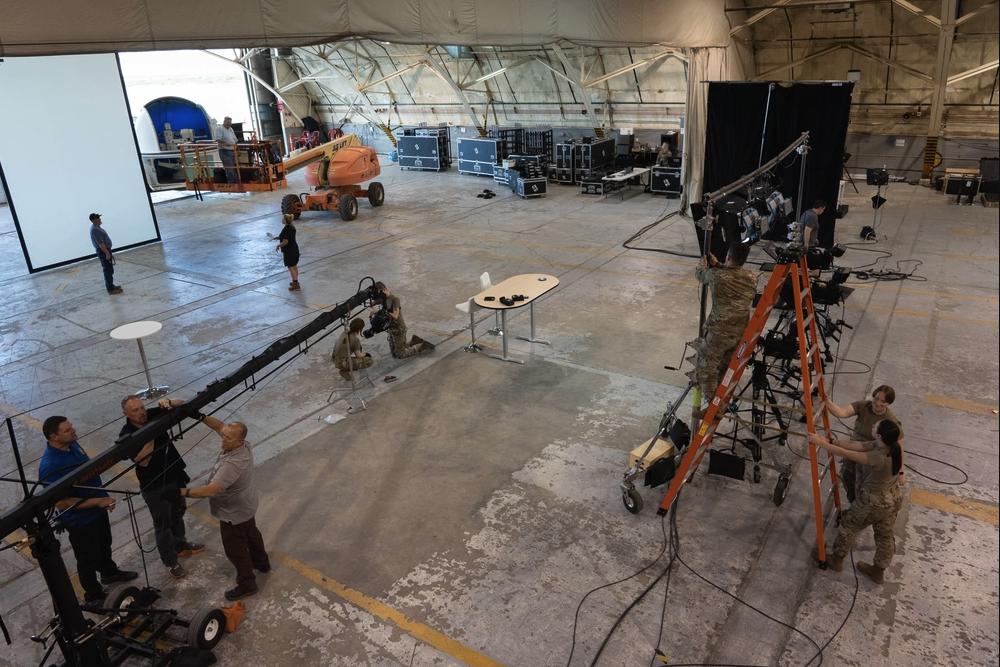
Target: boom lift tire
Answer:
pixel 291 204
pixel 348 207
pixel 376 194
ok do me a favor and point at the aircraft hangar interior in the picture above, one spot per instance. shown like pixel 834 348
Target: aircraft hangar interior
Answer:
pixel 463 332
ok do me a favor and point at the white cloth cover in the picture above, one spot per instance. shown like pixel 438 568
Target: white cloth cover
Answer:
pixel 53 27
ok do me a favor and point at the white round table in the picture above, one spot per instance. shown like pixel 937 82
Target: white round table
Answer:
pixel 137 331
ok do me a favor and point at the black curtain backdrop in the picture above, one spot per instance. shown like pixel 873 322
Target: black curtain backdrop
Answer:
pixel 735 127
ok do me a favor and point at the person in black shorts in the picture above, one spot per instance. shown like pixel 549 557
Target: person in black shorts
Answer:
pixel 289 250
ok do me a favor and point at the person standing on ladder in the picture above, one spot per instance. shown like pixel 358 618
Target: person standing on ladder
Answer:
pixel 733 289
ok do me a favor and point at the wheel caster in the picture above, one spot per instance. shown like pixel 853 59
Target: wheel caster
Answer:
pixel 780 490
pixel 632 501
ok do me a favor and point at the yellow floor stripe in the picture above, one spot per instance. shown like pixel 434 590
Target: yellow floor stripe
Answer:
pixel 961 404
pixel 424 633
pixel 950 504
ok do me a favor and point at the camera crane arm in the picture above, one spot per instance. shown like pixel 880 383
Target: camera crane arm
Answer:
pixel 128 445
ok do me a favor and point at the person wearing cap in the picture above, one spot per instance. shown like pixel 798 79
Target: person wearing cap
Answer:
pixel 102 245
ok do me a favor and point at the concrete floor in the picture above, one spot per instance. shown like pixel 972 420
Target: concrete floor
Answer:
pixel 463 517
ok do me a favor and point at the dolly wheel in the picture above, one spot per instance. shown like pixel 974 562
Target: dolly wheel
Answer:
pixel 121 596
pixel 291 204
pixel 348 207
pixel 206 628
pixel 780 490
pixel 632 501
pixel 376 194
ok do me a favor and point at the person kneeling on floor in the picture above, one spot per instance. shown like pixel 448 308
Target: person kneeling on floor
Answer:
pixel 398 345
pixel 347 353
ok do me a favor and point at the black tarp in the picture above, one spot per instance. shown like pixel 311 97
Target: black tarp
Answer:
pixel 736 113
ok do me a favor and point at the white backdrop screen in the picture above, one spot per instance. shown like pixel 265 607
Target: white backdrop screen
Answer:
pixel 67 149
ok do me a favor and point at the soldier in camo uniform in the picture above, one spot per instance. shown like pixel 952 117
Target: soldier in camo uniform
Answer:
pixel 398 345
pixel 879 498
pixel 733 289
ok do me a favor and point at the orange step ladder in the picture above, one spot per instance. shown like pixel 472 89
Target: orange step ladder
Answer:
pixel 813 380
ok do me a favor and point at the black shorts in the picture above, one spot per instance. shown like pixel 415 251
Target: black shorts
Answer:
pixel 291 258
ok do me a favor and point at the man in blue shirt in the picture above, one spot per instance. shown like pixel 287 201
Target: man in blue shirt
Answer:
pixel 102 245
pixel 84 513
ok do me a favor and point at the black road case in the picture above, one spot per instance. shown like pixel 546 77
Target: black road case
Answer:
pixel 420 153
pixel 666 180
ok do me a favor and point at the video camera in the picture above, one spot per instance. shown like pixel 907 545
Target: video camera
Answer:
pixel 378 322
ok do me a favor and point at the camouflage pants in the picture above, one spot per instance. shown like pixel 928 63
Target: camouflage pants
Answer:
pixel 398 346
pixel 714 354
pixel 355 364
pixel 879 512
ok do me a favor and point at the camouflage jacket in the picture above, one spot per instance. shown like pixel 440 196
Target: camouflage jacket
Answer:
pixel 733 290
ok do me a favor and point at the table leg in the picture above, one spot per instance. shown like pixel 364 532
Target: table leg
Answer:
pixel 472 347
pixel 151 391
pixel 532 339
pixel 503 326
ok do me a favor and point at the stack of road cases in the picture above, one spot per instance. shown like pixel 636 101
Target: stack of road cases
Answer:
pixel 564 169
pixel 427 149
pixel 479 156
pixel 596 158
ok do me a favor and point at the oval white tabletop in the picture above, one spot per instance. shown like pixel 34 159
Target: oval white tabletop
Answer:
pixel 531 285
pixel 134 330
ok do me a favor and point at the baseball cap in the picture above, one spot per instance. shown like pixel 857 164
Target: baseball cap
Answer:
pixel 95 216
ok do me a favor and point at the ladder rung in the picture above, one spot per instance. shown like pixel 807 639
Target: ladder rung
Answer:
pixel 816 382
pixel 807 321
pixel 813 350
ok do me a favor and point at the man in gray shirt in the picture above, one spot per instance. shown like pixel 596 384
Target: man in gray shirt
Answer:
pixel 232 496
pixel 102 245
pixel 809 224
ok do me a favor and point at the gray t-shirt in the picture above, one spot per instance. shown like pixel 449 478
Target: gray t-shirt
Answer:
pixel 233 471
pixel 809 220
pixel 880 476
pixel 99 236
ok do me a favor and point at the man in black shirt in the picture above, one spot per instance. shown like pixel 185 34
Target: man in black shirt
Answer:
pixel 160 470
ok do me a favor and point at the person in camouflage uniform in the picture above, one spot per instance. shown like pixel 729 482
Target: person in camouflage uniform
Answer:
pixel 879 498
pixel 398 345
pixel 866 414
pixel 733 289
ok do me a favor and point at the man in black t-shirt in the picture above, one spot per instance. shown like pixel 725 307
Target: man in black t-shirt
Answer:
pixel 160 470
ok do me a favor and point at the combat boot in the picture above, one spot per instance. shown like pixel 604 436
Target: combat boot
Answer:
pixel 876 574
